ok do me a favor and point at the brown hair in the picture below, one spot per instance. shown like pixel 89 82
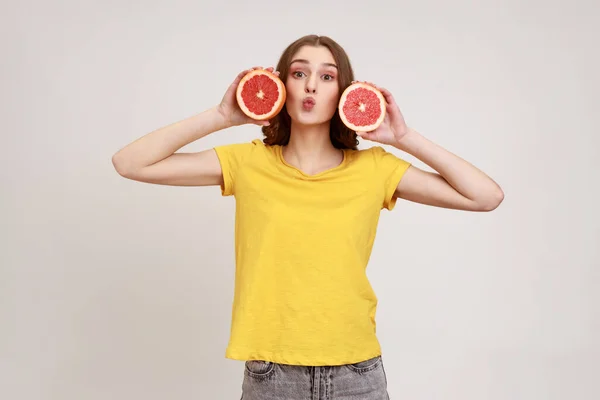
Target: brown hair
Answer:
pixel 342 137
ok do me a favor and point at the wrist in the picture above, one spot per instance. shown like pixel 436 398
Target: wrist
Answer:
pixel 407 141
pixel 219 118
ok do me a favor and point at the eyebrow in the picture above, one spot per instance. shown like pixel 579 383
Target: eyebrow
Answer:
pixel 303 61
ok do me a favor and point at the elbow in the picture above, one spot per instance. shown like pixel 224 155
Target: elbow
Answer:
pixel 120 165
pixel 492 200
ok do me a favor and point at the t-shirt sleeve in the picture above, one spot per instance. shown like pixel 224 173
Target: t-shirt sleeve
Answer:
pixel 232 158
pixel 389 169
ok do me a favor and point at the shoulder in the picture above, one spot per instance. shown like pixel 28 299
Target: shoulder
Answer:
pixel 374 155
pixel 243 150
pixel 379 162
pixel 238 158
pixel 241 146
pixel 373 151
pixel 386 169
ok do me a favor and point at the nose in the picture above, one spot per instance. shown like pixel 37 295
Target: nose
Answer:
pixel 311 85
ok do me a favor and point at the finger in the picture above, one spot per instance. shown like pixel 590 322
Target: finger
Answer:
pixel 239 76
pixel 387 94
pixel 388 97
pixel 259 122
pixel 390 108
pixel 375 86
pixel 270 69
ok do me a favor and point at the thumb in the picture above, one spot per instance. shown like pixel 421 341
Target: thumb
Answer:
pixel 258 121
pixel 262 123
pixel 366 135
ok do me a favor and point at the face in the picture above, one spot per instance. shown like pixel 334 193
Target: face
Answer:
pixel 312 86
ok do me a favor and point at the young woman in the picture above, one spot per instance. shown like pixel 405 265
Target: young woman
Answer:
pixel 307 208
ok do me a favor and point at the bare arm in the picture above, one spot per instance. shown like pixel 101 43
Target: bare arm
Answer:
pixel 153 158
pixel 457 184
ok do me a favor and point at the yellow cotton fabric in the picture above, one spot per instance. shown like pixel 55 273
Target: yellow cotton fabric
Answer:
pixel 302 243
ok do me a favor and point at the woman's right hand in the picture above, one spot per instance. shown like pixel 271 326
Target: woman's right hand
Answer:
pixel 229 108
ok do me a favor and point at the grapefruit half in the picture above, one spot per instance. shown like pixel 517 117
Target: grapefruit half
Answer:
pixel 362 107
pixel 261 94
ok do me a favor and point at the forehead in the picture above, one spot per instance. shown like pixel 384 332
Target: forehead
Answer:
pixel 314 55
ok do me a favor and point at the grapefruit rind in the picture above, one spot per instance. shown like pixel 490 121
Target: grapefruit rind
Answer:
pixel 277 106
pixel 362 128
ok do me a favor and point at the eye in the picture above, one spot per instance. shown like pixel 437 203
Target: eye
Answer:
pixel 328 77
pixel 296 74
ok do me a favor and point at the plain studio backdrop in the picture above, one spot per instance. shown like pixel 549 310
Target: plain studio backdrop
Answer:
pixel 114 289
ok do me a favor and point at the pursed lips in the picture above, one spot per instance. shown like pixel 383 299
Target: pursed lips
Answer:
pixel 309 102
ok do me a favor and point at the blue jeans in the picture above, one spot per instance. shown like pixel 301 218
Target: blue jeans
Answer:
pixel 365 380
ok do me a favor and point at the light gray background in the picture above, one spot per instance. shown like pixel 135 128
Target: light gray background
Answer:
pixel 113 289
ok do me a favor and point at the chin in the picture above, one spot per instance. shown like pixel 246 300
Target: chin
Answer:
pixel 309 120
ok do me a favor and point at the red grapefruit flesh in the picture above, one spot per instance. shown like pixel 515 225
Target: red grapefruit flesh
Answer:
pixel 362 107
pixel 261 94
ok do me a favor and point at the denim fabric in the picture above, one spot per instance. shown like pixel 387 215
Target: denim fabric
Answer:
pixel 365 380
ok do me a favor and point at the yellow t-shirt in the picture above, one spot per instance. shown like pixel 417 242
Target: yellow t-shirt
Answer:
pixel 302 243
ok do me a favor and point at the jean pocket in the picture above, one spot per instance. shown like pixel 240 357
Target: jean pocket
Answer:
pixel 366 365
pixel 259 368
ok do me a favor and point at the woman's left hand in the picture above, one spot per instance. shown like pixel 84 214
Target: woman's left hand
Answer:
pixel 393 128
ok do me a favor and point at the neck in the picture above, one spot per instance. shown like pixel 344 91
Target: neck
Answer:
pixel 310 148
